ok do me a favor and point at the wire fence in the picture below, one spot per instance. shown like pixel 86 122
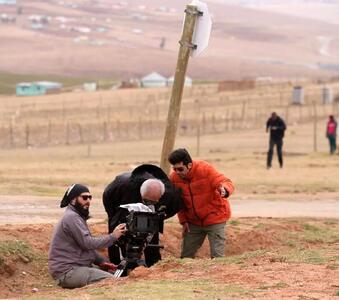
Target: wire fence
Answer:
pixel 90 119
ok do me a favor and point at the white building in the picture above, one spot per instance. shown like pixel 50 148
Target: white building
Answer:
pixel 7 2
pixel 153 80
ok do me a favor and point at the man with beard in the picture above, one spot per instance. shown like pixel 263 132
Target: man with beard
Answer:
pixel 72 251
pixel 147 184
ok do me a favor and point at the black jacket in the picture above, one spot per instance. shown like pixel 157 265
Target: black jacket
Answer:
pixel 125 189
pixel 277 128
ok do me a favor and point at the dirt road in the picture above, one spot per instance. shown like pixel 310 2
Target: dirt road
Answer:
pixel 32 209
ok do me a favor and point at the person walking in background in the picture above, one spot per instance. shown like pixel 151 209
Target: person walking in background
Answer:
pixel 205 192
pixel 331 133
pixel 277 127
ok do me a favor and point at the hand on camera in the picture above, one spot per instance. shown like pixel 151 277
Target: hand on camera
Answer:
pixel 119 230
pixel 108 267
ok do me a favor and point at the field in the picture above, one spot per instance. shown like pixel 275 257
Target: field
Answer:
pixel 265 257
pixel 120 39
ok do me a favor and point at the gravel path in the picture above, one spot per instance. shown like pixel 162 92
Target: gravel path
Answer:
pixel 32 209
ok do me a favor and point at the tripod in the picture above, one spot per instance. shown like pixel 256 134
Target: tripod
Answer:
pixel 133 258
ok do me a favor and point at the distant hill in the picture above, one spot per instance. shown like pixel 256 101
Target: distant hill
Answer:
pixel 124 39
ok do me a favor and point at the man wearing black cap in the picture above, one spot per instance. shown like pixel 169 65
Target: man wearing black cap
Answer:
pixel 72 251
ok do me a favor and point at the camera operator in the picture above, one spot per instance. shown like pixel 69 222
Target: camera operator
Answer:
pixel 72 250
pixel 128 188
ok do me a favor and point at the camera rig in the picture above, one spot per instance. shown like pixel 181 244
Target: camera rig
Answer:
pixel 141 226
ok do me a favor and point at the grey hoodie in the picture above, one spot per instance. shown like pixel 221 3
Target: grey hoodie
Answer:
pixel 73 245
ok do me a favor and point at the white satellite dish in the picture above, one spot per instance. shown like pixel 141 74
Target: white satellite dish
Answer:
pixel 201 34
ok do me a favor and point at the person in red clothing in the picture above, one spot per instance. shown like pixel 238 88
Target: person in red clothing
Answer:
pixel 205 192
pixel 331 133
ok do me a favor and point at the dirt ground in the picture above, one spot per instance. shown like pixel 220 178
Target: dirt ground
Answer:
pixel 282 238
pixel 258 259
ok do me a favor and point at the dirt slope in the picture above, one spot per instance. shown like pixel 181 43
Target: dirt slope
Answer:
pixel 281 258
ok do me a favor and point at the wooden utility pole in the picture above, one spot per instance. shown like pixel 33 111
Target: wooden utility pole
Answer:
pixel 177 90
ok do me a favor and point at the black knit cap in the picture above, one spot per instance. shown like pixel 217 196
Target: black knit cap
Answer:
pixel 72 192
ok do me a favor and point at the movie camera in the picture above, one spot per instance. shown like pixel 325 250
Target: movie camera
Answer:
pixel 141 226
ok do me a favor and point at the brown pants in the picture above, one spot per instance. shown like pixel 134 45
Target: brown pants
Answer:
pixel 193 240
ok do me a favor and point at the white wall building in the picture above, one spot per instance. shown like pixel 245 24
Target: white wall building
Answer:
pixel 153 80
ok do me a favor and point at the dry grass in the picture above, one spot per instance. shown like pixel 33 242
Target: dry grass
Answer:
pixel 239 151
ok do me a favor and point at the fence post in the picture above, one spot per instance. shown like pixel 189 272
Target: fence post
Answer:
pixel 11 135
pixel 105 133
pixel 49 132
pixel 286 113
pixel 67 134
pixel 140 128
pixel 27 135
pixel 315 116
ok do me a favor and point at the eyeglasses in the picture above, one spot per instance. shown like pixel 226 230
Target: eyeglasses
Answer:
pixel 86 197
pixel 178 169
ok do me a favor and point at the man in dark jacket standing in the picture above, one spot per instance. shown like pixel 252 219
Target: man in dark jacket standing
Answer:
pixel 277 127
pixel 72 250
pixel 126 189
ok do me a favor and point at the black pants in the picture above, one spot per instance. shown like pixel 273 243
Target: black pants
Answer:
pixel 333 143
pixel 279 144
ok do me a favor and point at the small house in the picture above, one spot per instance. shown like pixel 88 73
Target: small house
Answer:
pixel 29 89
pixel 7 2
pixel 50 86
pixel 37 88
pixel 90 86
pixel 153 80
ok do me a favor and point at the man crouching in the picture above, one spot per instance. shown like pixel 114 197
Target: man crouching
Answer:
pixel 72 251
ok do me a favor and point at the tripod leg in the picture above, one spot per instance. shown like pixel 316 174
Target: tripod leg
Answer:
pixel 118 273
pixel 121 268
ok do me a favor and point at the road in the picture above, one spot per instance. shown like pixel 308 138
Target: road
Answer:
pixel 32 209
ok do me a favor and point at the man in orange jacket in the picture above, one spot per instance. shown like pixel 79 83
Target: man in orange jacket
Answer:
pixel 206 208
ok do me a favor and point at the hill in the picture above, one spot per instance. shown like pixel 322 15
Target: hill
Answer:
pixel 122 39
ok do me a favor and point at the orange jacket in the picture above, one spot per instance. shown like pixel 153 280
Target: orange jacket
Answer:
pixel 200 191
